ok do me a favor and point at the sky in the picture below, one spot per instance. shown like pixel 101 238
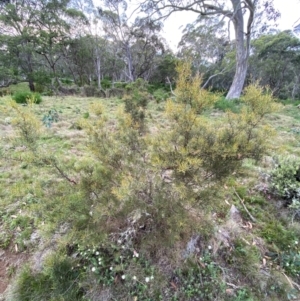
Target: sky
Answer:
pixel 289 9
pixel 290 13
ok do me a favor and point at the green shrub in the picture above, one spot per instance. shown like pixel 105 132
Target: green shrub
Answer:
pixel 120 85
pixel 160 95
pixel 23 97
pixel 105 83
pixel 285 179
pixel 278 235
pixel 199 280
pixel 67 81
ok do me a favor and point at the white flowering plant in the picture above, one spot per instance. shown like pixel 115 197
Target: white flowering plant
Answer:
pixel 116 263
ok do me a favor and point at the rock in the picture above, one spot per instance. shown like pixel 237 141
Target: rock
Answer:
pixel 235 214
pixel 193 246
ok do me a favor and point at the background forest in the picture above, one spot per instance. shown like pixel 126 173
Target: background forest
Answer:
pixel 74 47
pixel 125 173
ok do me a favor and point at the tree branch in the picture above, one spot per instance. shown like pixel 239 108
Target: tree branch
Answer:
pixel 169 82
pixel 212 76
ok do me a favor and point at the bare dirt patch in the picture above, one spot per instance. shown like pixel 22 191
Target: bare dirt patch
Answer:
pixel 10 261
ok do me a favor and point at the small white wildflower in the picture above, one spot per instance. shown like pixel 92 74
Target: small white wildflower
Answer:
pixel 97 253
pixel 147 279
pixel 123 277
pixel 111 268
pixel 119 241
pixel 296 242
pixel 123 247
pixel 152 277
pixel 134 278
pixel 287 264
pixel 209 247
pixel 93 269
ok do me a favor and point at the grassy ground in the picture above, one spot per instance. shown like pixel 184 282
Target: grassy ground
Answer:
pixel 248 254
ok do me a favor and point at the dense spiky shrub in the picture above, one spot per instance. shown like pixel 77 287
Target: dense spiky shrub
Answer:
pixel 143 192
pixel 197 149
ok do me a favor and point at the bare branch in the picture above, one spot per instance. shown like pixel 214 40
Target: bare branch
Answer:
pixel 169 82
pixel 212 76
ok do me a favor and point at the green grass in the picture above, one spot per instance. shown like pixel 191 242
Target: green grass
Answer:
pixel 20 87
pixel 227 105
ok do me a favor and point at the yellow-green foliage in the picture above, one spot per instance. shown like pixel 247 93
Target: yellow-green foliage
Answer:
pixel 188 91
pixel 27 125
pixel 198 149
pixel 136 101
pixel 121 182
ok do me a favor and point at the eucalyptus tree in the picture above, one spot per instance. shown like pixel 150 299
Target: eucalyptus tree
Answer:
pixel 164 71
pixel 240 13
pixel 36 31
pixel 206 43
pixel 275 61
pixel 147 44
pixel 7 70
pixel 117 30
pixel 137 39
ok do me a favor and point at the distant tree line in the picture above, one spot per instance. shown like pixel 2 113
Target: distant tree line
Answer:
pixel 54 43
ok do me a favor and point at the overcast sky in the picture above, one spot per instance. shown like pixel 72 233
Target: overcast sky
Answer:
pixel 289 9
pixel 290 12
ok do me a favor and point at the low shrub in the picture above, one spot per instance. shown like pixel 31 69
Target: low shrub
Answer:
pixel 105 83
pixel 89 91
pixel 285 179
pixel 50 117
pixel 120 85
pixel 199 280
pixel 4 92
pixel 160 95
pixel 23 97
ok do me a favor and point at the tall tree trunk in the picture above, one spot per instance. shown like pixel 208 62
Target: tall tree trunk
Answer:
pixel 240 73
pixel 130 74
pixel 242 48
pixel 31 84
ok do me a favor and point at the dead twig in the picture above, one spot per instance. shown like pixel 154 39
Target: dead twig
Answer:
pixel 291 282
pixel 242 202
